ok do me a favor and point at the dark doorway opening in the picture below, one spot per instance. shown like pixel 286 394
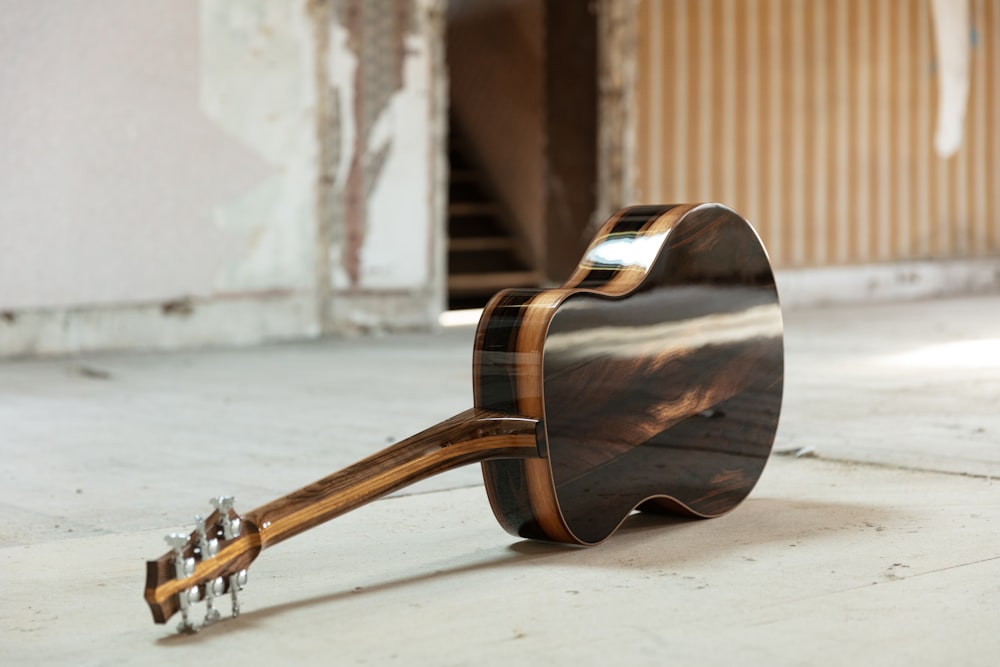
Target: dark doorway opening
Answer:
pixel 522 143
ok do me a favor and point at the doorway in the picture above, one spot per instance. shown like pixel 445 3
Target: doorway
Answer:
pixel 522 143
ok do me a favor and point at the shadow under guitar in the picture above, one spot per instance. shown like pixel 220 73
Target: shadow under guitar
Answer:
pixel 650 541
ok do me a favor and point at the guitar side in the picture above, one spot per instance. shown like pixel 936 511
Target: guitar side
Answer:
pixel 682 422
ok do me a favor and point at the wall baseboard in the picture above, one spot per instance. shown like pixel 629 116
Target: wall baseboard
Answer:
pixel 246 320
pixel 255 319
pixel 898 281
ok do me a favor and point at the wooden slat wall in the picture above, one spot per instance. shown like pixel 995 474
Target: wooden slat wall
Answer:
pixel 815 119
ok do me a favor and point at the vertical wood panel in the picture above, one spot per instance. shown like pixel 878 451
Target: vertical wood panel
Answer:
pixel 861 108
pixel 681 90
pixel 703 49
pixel 815 119
pixel 991 60
pixel 922 133
pixel 752 127
pixel 976 181
pixel 903 162
pixel 885 153
pixel 741 103
pixel 772 116
pixel 841 58
pixel 727 77
pixel 798 143
pixel 939 168
pixel 820 67
pixel 644 111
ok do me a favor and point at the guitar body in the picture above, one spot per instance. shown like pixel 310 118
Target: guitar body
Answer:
pixel 655 373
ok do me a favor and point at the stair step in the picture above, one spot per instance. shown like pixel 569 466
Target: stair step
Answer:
pixel 476 243
pixel 464 209
pixel 477 283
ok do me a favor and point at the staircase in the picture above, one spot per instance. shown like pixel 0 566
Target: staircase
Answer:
pixel 483 255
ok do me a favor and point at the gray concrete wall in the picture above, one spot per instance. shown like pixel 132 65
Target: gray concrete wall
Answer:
pixel 170 172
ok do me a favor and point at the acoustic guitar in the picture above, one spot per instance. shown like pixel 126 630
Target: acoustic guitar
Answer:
pixel 651 380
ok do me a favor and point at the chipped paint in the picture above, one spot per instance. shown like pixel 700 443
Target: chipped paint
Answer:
pixel 381 74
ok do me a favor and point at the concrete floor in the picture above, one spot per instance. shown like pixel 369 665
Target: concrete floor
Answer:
pixel 880 544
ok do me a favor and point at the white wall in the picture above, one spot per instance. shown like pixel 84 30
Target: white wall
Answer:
pixel 160 176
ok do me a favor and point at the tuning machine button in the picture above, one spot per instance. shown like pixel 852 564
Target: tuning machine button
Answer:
pixel 183 568
pixel 236 584
pixel 224 505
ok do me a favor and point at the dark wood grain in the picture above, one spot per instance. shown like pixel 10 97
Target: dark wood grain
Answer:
pixel 651 380
pixel 657 370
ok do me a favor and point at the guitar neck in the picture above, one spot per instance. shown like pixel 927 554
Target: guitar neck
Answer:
pixel 471 436
pixel 224 549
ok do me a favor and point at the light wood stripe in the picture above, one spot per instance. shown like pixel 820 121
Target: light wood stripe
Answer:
pixel 957 219
pixel 924 134
pixel 991 57
pixel 704 48
pixel 838 232
pixel 740 160
pixel 678 190
pixel 657 62
pixel 939 174
pixel 753 127
pixel 876 146
pixel 977 123
pixel 795 23
pixel 726 74
pixel 643 110
pixel 885 105
pixel 816 136
pixel 902 70
pixel 862 109
pixel 538 475
pixel 989 90
pixel 772 113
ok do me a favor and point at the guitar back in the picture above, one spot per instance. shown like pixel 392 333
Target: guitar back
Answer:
pixel 656 370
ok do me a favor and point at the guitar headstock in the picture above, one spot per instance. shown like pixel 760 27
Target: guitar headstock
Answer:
pixel 206 564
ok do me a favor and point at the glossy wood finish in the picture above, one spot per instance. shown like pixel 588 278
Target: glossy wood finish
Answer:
pixel 472 436
pixel 657 370
pixel 652 379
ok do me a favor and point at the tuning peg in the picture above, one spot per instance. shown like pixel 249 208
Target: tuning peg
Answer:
pixel 213 590
pixel 224 504
pixel 237 582
pixel 209 547
pixel 183 567
pixel 176 541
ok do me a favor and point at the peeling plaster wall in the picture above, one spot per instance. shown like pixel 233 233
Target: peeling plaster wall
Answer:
pixel 385 103
pixel 162 174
